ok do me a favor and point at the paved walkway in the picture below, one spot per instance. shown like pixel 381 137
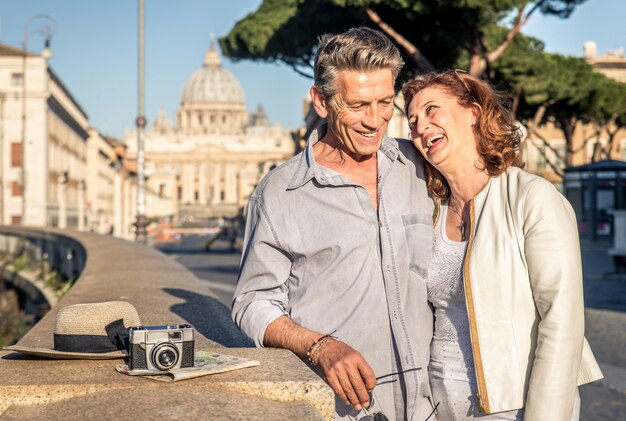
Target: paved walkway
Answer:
pixel 605 300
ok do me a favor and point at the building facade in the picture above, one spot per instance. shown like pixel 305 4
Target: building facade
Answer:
pixel 56 170
pixel 208 162
pixel 42 144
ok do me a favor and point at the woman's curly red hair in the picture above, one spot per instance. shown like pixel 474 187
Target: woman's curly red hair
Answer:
pixel 497 133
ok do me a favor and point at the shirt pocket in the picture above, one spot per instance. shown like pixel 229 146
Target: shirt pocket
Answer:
pixel 418 228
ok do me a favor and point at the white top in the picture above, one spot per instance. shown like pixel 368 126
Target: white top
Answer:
pixel 451 348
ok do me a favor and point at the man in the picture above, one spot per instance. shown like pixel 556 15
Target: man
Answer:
pixel 338 240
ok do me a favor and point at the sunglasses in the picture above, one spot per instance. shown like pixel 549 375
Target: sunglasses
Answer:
pixel 380 416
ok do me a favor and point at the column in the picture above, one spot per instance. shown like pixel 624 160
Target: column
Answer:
pixel 187 183
pixel 242 180
pixel 217 184
pixel 191 183
pixel 202 187
pixel 230 183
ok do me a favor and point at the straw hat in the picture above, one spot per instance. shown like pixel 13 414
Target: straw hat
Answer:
pixel 89 331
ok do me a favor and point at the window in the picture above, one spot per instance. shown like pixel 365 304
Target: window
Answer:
pixel 16 154
pixel 16 189
pixel 16 220
pixel 161 190
pixel 17 79
pixel 540 163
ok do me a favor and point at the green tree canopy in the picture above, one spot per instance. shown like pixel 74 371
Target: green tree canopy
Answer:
pixel 483 36
pixel 430 33
pixel 562 90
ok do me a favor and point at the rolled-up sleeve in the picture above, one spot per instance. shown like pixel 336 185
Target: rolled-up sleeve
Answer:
pixel 261 294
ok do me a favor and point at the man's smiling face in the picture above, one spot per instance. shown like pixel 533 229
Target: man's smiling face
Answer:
pixel 358 115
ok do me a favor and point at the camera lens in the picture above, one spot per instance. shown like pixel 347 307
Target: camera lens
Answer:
pixel 164 356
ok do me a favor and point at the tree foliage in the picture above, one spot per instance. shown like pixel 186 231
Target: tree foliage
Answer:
pixel 445 32
pixel 483 36
pixel 562 90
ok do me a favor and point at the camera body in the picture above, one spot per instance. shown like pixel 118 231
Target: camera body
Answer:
pixel 161 348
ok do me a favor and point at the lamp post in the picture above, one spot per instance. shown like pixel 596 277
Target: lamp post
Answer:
pixel 47 28
pixel 142 221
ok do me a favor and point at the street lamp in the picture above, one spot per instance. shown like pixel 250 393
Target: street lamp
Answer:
pixel 47 28
pixel 142 221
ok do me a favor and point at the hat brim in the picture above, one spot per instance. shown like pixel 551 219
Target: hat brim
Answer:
pixel 64 355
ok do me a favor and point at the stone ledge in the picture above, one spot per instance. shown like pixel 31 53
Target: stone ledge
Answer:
pixel 282 387
pixel 36 381
pixel 185 403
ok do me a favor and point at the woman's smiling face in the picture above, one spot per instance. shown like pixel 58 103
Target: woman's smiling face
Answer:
pixel 441 128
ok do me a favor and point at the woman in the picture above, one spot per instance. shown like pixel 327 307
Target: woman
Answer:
pixel 505 279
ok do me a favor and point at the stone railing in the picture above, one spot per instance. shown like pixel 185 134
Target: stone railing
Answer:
pixel 41 264
pixel 282 387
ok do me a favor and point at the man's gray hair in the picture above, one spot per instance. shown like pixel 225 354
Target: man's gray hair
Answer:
pixel 360 49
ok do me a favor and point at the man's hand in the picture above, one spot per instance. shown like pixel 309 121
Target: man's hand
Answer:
pixel 347 372
pixel 344 368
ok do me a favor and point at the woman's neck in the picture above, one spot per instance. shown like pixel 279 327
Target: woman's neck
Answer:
pixel 466 183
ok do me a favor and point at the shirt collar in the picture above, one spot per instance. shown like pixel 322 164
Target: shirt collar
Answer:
pixel 308 169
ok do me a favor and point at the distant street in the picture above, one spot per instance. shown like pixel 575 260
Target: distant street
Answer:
pixel 218 266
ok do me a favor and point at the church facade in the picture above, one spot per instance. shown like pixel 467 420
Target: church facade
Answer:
pixel 208 162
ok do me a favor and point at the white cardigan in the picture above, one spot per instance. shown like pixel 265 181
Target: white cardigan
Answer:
pixel 524 293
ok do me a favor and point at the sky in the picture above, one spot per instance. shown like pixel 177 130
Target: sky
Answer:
pixel 95 52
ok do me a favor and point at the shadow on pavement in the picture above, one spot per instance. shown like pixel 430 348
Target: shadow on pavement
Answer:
pixel 233 269
pixel 209 317
pixel 196 246
pixel 179 250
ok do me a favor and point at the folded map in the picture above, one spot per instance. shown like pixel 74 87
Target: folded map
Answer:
pixel 204 363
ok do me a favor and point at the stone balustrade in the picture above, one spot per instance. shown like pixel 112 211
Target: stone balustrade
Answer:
pixel 282 387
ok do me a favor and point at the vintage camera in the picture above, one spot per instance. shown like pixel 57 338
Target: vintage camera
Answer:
pixel 160 348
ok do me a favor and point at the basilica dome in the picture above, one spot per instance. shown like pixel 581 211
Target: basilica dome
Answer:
pixel 212 101
pixel 212 83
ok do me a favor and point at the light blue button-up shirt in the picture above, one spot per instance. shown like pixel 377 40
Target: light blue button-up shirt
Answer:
pixel 316 250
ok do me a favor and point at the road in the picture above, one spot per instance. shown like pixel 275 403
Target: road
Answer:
pixel 217 267
pixel 605 319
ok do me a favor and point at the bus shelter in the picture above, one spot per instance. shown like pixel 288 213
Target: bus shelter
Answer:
pixel 595 191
